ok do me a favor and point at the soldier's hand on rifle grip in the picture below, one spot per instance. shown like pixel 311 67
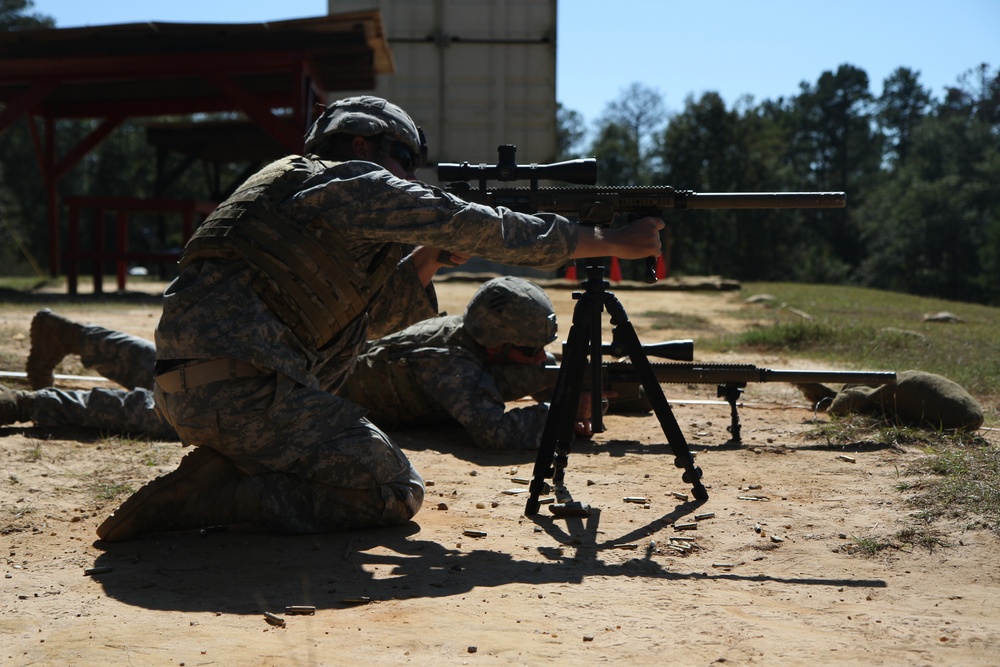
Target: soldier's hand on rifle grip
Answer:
pixel 650 276
pixel 583 426
pixel 639 238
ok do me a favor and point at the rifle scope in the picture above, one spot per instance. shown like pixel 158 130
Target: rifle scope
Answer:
pixel 582 171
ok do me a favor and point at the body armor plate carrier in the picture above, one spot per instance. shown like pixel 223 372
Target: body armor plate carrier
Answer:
pixel 311 284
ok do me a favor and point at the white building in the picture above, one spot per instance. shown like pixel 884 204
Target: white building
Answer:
pixel 474 74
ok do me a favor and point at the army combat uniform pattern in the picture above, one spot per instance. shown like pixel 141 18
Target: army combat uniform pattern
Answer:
pixel 430 372
pixel 434 371
pixel 129 361
pixel 315 463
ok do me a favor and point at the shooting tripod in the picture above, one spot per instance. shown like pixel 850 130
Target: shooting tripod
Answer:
pixel 594 205
pixel 583 341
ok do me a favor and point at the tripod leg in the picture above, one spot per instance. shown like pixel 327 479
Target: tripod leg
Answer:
pixel 557 436
pixel 654 392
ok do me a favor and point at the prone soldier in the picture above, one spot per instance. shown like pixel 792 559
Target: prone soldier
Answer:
pixel 459 368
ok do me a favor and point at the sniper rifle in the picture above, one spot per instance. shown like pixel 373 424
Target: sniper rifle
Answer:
pixel 601 205
pixel 730 380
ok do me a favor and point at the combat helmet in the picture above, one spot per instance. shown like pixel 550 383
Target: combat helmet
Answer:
pixel 510 311
pixel 366 116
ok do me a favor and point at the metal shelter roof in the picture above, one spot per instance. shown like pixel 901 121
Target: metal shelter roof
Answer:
pixel 115 72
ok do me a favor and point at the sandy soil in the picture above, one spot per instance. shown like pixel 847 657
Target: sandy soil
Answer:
pixel 767 577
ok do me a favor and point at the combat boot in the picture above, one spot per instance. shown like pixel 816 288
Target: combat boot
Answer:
pixel 15 406
pixel 52 338
pixel 819 395
pixel 207 489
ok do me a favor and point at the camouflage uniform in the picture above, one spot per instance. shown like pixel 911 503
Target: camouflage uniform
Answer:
pixel 129 361
pixel 431 372
pixel 315 463
pixel 434 371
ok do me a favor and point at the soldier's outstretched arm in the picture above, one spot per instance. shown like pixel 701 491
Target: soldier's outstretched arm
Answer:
pixel 636 240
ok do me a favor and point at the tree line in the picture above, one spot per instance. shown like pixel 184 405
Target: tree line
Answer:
pixel 920 173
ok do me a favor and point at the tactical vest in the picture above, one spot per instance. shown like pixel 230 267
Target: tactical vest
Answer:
pixel 383 381
pixel 307 277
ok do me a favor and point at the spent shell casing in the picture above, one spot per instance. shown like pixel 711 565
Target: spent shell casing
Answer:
pixel 678 495
pixel 704 515
pixel 474 533
pixel 636 499
pixel 520 480
pixel 685 526
pixel 300 610
pixel 360 599
pixel 724 565
pixel 90 571
pixel 845 457
pixel 274 619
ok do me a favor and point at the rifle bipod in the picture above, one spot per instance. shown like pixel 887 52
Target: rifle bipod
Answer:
pixel 583 341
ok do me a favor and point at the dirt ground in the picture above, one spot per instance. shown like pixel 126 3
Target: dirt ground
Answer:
pixel 766 576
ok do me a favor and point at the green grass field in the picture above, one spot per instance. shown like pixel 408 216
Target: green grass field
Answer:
pixel 877 330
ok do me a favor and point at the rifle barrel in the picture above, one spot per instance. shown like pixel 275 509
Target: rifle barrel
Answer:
pixel 723 373
pixel 600 203
pixel 696 373
pixel 709 200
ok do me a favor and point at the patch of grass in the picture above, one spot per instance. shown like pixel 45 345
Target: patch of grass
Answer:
pixel 958 479
pixel 110 490
pixel 869 545
pixel 661 319
pixel 856 430
pixel 875 330
pixel 960 483
pixel 33 454
pixel 921 536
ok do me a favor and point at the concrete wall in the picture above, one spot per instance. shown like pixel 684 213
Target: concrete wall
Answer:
pixel 474 74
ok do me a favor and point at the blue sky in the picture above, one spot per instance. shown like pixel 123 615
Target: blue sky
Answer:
pixel 763 48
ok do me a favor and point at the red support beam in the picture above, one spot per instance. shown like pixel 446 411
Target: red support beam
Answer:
pixel 261 114
pixel 27 101
pixel 89 143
